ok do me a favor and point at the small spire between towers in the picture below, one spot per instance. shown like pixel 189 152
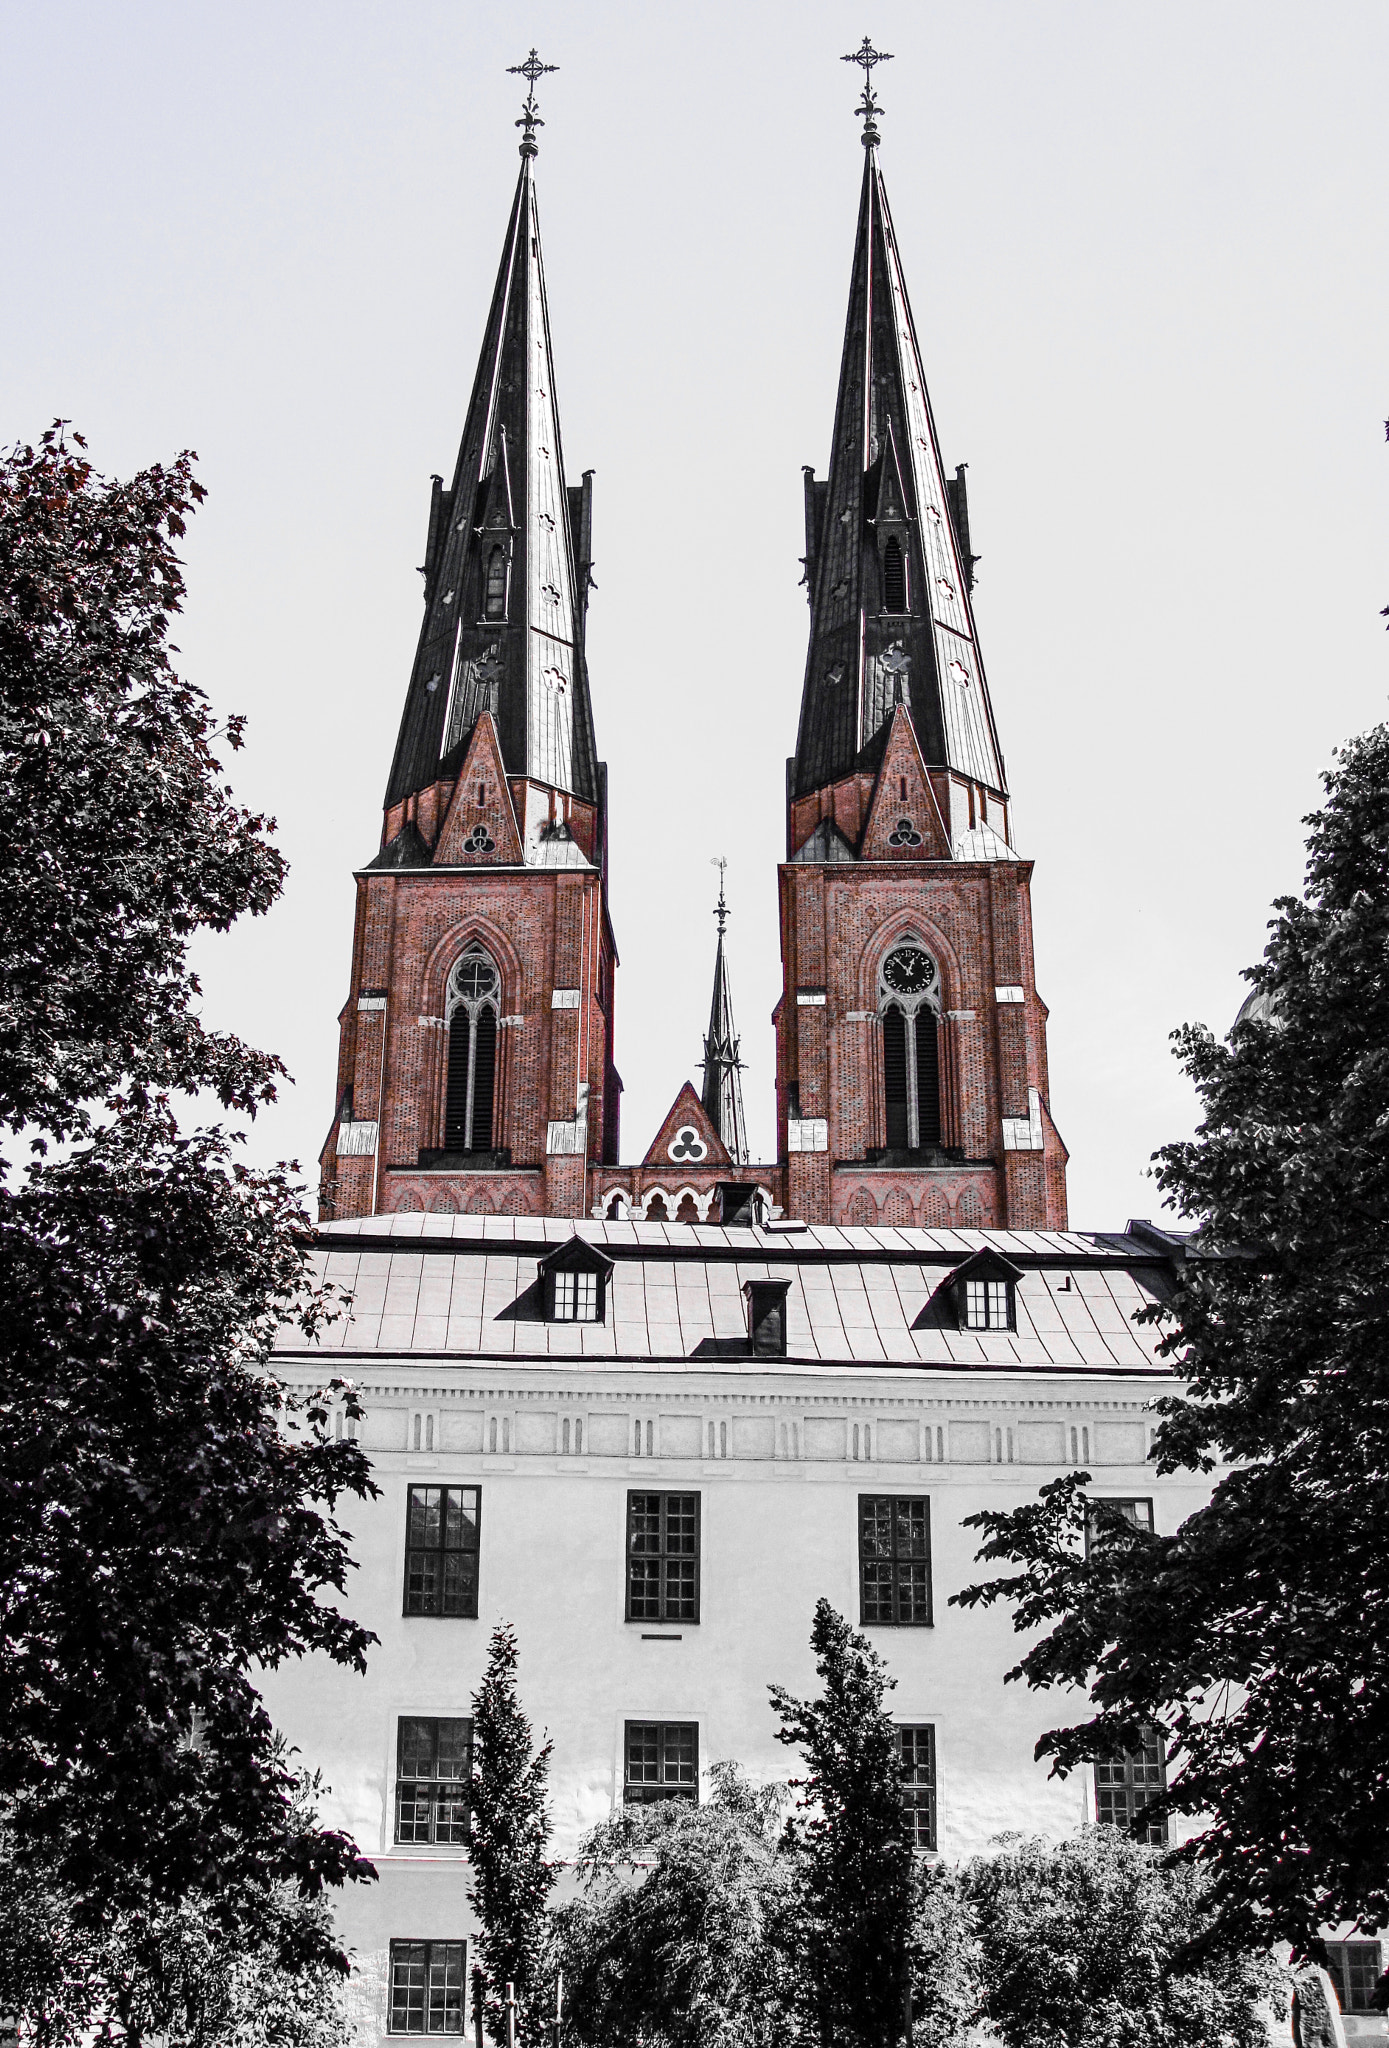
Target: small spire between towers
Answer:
pixel 723 1084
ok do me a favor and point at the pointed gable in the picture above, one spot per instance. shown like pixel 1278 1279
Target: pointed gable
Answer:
pixel 686 1136
pixel 904 822
pixel 480 825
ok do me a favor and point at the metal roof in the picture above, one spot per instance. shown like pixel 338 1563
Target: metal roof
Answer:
pixel 439 1286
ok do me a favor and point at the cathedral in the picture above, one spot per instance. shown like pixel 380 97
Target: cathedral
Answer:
pixel 649 1413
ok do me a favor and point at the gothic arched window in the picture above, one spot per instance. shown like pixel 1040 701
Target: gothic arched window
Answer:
pixel 894 577
pixel 494 601
pixel 909 1005
pixel 474 997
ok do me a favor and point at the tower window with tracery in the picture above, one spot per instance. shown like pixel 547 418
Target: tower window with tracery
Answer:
pixel 494 601
pixel 909 1005
pixel 474 998
pixel 894 577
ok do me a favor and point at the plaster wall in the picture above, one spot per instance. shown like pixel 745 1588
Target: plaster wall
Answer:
pixel 778 1530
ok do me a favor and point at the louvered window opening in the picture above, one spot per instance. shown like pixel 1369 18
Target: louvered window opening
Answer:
pixel 911 1085
pixel 494 606
pixel 894 577
pixel 470 1090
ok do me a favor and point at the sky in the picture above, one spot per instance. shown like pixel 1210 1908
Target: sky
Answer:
pixel 1146 252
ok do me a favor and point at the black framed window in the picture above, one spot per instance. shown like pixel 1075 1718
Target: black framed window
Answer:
pixel 494 597
pixel 1125 1785
pixel 1137 1513
pixel 916 1747
pixel 473 1001
pixel 1354 1969
pixel 433 1772
pixel 426 1987
pixel 894 1559
pixel 661 1761
pixel 988 1305
pixel 663 1557
pixel 441 1549
pixel 574 1297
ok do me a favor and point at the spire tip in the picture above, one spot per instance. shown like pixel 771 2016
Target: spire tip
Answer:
pixel 868 108
pixel 530 113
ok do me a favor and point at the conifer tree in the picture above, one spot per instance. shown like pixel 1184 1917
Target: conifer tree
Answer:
pixel 1253 1635
pixel 511 1880
pixel 858 1885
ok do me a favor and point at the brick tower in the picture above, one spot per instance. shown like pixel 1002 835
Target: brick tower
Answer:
pixel 911 1041
pixel 475 1070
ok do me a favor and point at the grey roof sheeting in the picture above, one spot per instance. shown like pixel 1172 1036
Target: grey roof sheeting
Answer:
pixel 465 1287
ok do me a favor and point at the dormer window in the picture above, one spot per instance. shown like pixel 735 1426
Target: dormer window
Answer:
pixel 494 598
pixel 575 1297
pixel 894 576
pixel 766 1300
pixel 574 1283
pixel 983 1291
pixel 988 1305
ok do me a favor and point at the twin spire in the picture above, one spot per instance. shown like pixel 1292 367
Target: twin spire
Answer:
pixel 888 566
pixel 507 560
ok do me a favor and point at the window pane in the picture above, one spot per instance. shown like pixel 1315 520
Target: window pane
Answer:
pixel 586 1297
pixel 1125 1785
pixel 662 1761
pixel 875 1527
pixel 407 1987
pixel 1355 1968
pixel 998 1304
pixel 976 1308
pixel 895 1559
pixel 564 1297
pixel 663 1557
pixel 424 1517
pixel 445 2010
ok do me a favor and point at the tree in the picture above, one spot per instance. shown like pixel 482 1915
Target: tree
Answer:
pixel 680 1939
pixel 168 1974
pixel 858 1863
pixel 511 1880
pixel 1251 1635
pixel 1080 1945
pixel 166 1507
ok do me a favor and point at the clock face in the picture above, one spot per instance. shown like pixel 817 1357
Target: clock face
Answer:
pixel 909 971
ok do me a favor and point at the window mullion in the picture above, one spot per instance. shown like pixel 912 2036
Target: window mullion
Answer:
pixel 913 1106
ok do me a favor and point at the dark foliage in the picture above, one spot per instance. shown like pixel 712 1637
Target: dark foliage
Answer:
pixel 168 1973
pixel 118 838
pixel 510 1879
pixel 1080 1945
pixel 1252 1635
pixel 858 1879
pixel 166 1509
pixel 682 1936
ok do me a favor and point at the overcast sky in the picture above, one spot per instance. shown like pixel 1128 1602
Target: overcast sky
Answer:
pixel 1146 250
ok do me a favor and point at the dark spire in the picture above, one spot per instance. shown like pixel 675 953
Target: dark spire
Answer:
pixel 723 1084
pixel 506 566
pixel 888 575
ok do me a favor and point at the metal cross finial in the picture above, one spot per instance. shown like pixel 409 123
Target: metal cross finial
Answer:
pixel 721 909
pixel 868 108
pixel 530 114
